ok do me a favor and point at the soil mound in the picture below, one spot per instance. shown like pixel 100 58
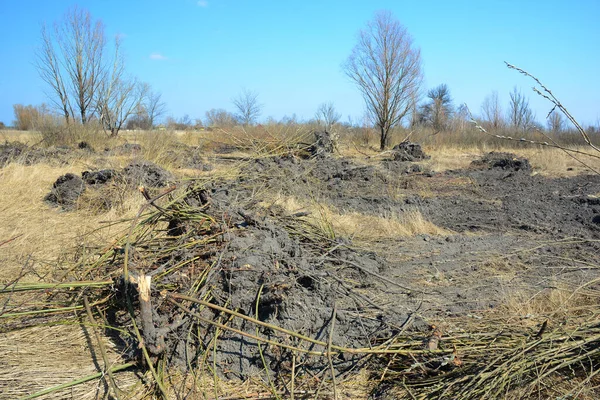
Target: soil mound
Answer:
pixel 126 149
pixel 10 151
pixel 66 191
pixel 68 188
pixel 407 151
pixel 98 177
pixel 146 173
pixel 182 156
pixel 269 268
pixel 502 161
pixel 323 144
pixel 85 146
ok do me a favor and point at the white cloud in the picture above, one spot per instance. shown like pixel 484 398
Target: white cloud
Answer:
pixel 202 3
pixel 157 56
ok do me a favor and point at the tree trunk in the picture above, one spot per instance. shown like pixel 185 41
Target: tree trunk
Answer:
pixel 383 138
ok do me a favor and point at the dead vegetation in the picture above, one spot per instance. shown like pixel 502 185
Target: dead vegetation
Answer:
pixel 287 273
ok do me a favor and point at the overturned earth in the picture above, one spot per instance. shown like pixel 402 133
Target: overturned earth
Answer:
pixel 238 281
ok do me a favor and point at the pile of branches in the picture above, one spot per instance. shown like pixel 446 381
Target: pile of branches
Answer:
pixel 509 361
pixel 184 288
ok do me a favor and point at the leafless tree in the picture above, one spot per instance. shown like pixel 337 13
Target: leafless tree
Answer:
pixel 70 61
pixel 519 114
pixel 154 106
pixel 386 67
pixel 492 111
pixel 327 116
pixel 438 111
pixel 247 106
pixel 119 96
pixel 219 117
pixel 556 122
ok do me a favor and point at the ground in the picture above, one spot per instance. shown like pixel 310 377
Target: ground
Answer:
pixel 351 249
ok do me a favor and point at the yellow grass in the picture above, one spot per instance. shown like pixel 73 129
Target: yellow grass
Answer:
pixel 41 357
pixel 36 358
pixel 361 227
pixel 41 231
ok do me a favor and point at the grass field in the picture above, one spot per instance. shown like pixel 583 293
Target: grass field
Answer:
pixel 480 287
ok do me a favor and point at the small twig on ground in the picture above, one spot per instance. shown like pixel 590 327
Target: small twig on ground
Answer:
pixel 107 371
pixel 329 357
pixel 10 240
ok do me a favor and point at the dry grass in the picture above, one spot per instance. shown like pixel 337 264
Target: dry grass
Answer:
pixel 48 355
pixel 41 231
pixel 358 226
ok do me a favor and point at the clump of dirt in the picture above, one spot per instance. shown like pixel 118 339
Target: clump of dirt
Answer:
pixel 66 191
pixel 98 177
pixel 125 149
pixel 68 188
pixel 503 161
pixel 23 154
pixel 85 146
pixel 146 173
pixel 11 151
pixel 182 156
pixel 225 148
pixel 407 151
pixel 323 144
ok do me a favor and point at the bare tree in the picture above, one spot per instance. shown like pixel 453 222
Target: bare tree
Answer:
pixel 556 122
pixel 219 117
pixel 247 106
pixel 70 61
pixel 119 96
pixel 520 115
pixel 327 116
pixel 386 67
pixel 154 106
pixel 438 111
pixel 492 111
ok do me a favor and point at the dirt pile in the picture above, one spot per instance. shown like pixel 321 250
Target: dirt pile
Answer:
pixel 126 149
pixel 407 151
pixel 503 161
pixel 68 188
pixel 11 151
pixel 182 156
pixel 146 173
pixel 323 144
pixel 23 154
pixel 66 191
pixel 279 273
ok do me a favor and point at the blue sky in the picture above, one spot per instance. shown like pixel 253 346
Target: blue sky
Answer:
pixel 200 54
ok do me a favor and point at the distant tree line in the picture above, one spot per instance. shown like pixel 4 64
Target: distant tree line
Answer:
pixel 87 81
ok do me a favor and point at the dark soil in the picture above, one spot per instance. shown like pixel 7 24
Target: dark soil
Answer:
pixel 23 154
pixel 68 188
pixel 491 211
pixel 66 191
pixel 504 161
pixel 407 151
pixel 322 146
pixel 98 177
pixel 506 230
pixel 183 156
pixel 146 173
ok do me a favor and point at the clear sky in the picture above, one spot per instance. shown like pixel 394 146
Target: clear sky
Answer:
pixel 200 54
